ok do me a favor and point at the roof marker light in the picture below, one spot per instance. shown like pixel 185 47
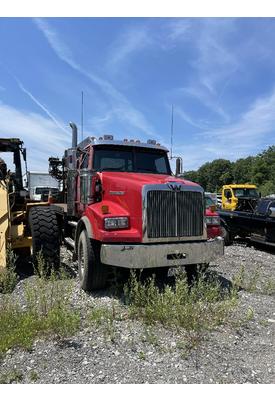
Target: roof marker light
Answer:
pixel 151 141
pixel 108 137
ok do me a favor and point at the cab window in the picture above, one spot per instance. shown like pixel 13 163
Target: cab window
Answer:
pixel 209 202
pixel 228 193
pixel 84 161
pixel 262 207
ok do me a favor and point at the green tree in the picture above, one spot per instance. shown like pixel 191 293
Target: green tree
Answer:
pixel 259 170
pixel 242 170
pixel 191 176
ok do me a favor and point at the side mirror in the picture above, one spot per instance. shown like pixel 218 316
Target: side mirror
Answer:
pixel 271 212
pixel 178 166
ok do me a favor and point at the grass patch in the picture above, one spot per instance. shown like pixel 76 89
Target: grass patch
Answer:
pixel 150 337
pixel 105 317
pixel 47 312
pixel 34 376
pixel 195 309
pixel 8 276
pixel 141 355
pixel 13 376
pixel 254 282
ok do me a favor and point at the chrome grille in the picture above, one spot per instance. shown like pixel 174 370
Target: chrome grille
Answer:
pixel 174 213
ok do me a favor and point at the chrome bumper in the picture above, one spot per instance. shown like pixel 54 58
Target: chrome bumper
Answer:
pixel 161 255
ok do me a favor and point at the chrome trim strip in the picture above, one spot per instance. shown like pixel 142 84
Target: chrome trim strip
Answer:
pixel 167 187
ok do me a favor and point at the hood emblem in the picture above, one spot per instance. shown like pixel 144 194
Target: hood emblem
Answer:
pixel 176 187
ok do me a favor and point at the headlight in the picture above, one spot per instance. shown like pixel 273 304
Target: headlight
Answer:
pixel 212 220
pixel 116 223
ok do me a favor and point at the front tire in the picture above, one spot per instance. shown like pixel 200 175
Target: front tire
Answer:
pixel 192 273
pixel 226 236
pixel 92 274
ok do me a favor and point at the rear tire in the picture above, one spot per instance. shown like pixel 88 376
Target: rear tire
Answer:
pixel 92 274
pixel 45 236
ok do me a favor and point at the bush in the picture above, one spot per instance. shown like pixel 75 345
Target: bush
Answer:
pixel 201 307
pixel 8 276
pixel 47 312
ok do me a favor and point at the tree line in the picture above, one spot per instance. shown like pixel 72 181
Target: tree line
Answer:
pixel 258 170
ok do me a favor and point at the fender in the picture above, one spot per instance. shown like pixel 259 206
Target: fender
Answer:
pixel 83 223
pixel 225 224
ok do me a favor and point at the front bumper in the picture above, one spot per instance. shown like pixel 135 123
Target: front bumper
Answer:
pixel 143 256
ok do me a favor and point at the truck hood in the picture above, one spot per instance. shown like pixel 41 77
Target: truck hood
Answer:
pixel 124 189
pixel 122 195
pixel 126 180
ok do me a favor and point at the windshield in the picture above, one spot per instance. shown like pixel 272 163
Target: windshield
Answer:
pixel 209 202
pixel 131 159
pixel 245 192
pixel 43 190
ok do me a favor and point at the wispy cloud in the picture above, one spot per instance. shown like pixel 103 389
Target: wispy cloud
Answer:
pixel 213 64
pixel 254 125
pixel 121 106
pixel 206 99
pixel 129 43
pixel 178 29
pixel 186 117
pixel 254 130
pixel 40 135
pixel 39 104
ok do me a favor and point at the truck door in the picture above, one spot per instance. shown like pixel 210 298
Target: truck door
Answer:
pixel 270 225
pixel 83 181
pixel 258 221
pixel 243 221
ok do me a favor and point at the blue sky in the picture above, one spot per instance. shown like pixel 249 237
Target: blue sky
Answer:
pixel 219 73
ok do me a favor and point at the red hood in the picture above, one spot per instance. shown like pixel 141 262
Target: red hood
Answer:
pixel 122 193
pixel 124 179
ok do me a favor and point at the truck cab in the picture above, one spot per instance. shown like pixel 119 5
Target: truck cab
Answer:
pixel 233 196
pixel 41 193
pixel 124 208
pixel 257 223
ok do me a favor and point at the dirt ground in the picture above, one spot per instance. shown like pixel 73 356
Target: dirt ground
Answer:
pixel 131 352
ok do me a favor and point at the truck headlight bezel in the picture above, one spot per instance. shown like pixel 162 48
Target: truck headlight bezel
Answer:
pixel 114 223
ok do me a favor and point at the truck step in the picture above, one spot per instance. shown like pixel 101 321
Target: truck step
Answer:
pixel 72 223
pixel 69 241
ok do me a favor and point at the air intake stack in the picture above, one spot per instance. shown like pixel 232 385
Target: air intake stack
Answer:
pixel 74 134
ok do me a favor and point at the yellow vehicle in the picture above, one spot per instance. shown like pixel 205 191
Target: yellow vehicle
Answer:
pixel 27 227
pixel 235 194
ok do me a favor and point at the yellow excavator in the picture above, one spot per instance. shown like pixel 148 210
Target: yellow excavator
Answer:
pixel 27 227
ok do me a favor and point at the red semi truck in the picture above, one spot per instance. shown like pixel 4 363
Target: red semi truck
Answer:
pixel 124 208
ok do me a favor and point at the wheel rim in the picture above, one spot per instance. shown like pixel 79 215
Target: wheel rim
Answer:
pixel 81 260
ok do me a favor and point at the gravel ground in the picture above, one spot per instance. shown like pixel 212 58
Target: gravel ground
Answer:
pixel 130 352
